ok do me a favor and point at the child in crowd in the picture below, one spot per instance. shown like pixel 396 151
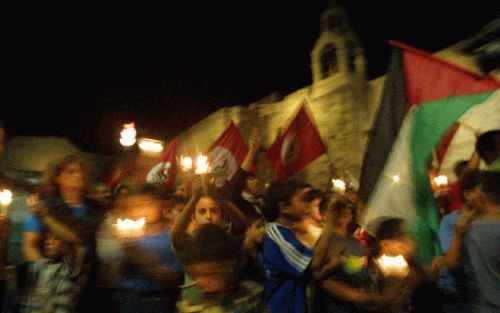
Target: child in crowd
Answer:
pixel 213 260
pixel 150 271
pixel 286 259
pixel 204 207
pixel 344 282
pixel 50 284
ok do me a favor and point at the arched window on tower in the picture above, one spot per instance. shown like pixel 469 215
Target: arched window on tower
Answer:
pixel 328 60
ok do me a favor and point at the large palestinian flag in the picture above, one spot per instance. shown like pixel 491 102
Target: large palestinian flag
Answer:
pixel 423 98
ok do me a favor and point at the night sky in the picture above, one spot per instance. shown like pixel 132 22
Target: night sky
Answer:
pixel 81 72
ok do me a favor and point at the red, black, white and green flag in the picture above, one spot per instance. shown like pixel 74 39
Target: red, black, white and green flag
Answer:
pixel 423 98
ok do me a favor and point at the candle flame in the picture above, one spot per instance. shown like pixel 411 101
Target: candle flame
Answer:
pixel 339 185
pixel 393 266
pixel 128 135
pixel 186 163
pixel 201 164
pixel 441 180
pixel 5 197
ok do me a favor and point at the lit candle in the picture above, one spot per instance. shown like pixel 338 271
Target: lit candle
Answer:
pixel 5 199
pixel 393 266
pixel 129 228
pixel 201 164
pixel 396 178
pixel 338 186
pixel 441 181
pixel 186 163
pixel 128 135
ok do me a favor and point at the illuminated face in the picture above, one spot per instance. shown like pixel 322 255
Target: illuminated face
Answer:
pixel 53 247
pixel 298 208
pixel 215 277
pixel 72 177
pixel 147 206
pixel 255 232
pixel 207 211
pixel 252 185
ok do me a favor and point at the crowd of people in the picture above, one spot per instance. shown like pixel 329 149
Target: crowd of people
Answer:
pixel 243 248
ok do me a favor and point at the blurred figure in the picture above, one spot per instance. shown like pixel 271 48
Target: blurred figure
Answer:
pixel 488 147
pixel 63 208
pixel 204 208
pixel 413 291
pixel 213 260
pixel 476 242
pixel 253 268
pixel 50 284
pixel 344 283
pixel 243 187
pixel 149 269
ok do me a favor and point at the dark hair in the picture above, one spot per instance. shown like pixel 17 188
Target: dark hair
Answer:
pixel 470 181
pixel 460 167
pixel 211 242
pixel 490 185
pixel 391 228
pixel 280 191
pixel 487 143
pixel 314 194
pixel 50 187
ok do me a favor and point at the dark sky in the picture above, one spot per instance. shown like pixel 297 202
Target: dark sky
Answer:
pixel 81 72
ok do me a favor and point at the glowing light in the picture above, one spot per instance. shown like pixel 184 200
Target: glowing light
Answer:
pixel 201 164
pixel 396 178
pixel 186 163
pixel 129 228
pixel 339 186
pixel 441 181
pixel 128 135
pixel 393 266
pixel 149 145
pixel 5 197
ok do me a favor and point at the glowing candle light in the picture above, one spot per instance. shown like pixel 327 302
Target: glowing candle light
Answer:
pixel 129 228
pixel 339 186
pixel 393 266
pixel 201 164
pixel 396 178
pixel 5 197
pixel 186 163
pixel 128 135
pixel 441 181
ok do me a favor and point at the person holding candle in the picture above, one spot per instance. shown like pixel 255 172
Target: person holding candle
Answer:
pixel 204 207
pixel 344 283
pixel 149 270
pixel 62 207
pixel 410 286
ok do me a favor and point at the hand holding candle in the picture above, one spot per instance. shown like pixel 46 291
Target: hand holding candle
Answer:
pixel 130 229
pixel 5 200
pixel 393 266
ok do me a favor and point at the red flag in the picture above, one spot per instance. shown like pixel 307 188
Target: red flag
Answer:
pixel 296 147
pixel 163 172
pixel 226 154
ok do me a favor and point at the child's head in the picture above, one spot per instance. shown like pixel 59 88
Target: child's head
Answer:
pixel 287 199
pixel 208 210
pixel 255 230
pixel 213 259
pixel 392 240
pixel 53 247
pixel 144 202
pixel 314 198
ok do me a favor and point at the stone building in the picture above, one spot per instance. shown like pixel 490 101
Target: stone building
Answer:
pixel 343 104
